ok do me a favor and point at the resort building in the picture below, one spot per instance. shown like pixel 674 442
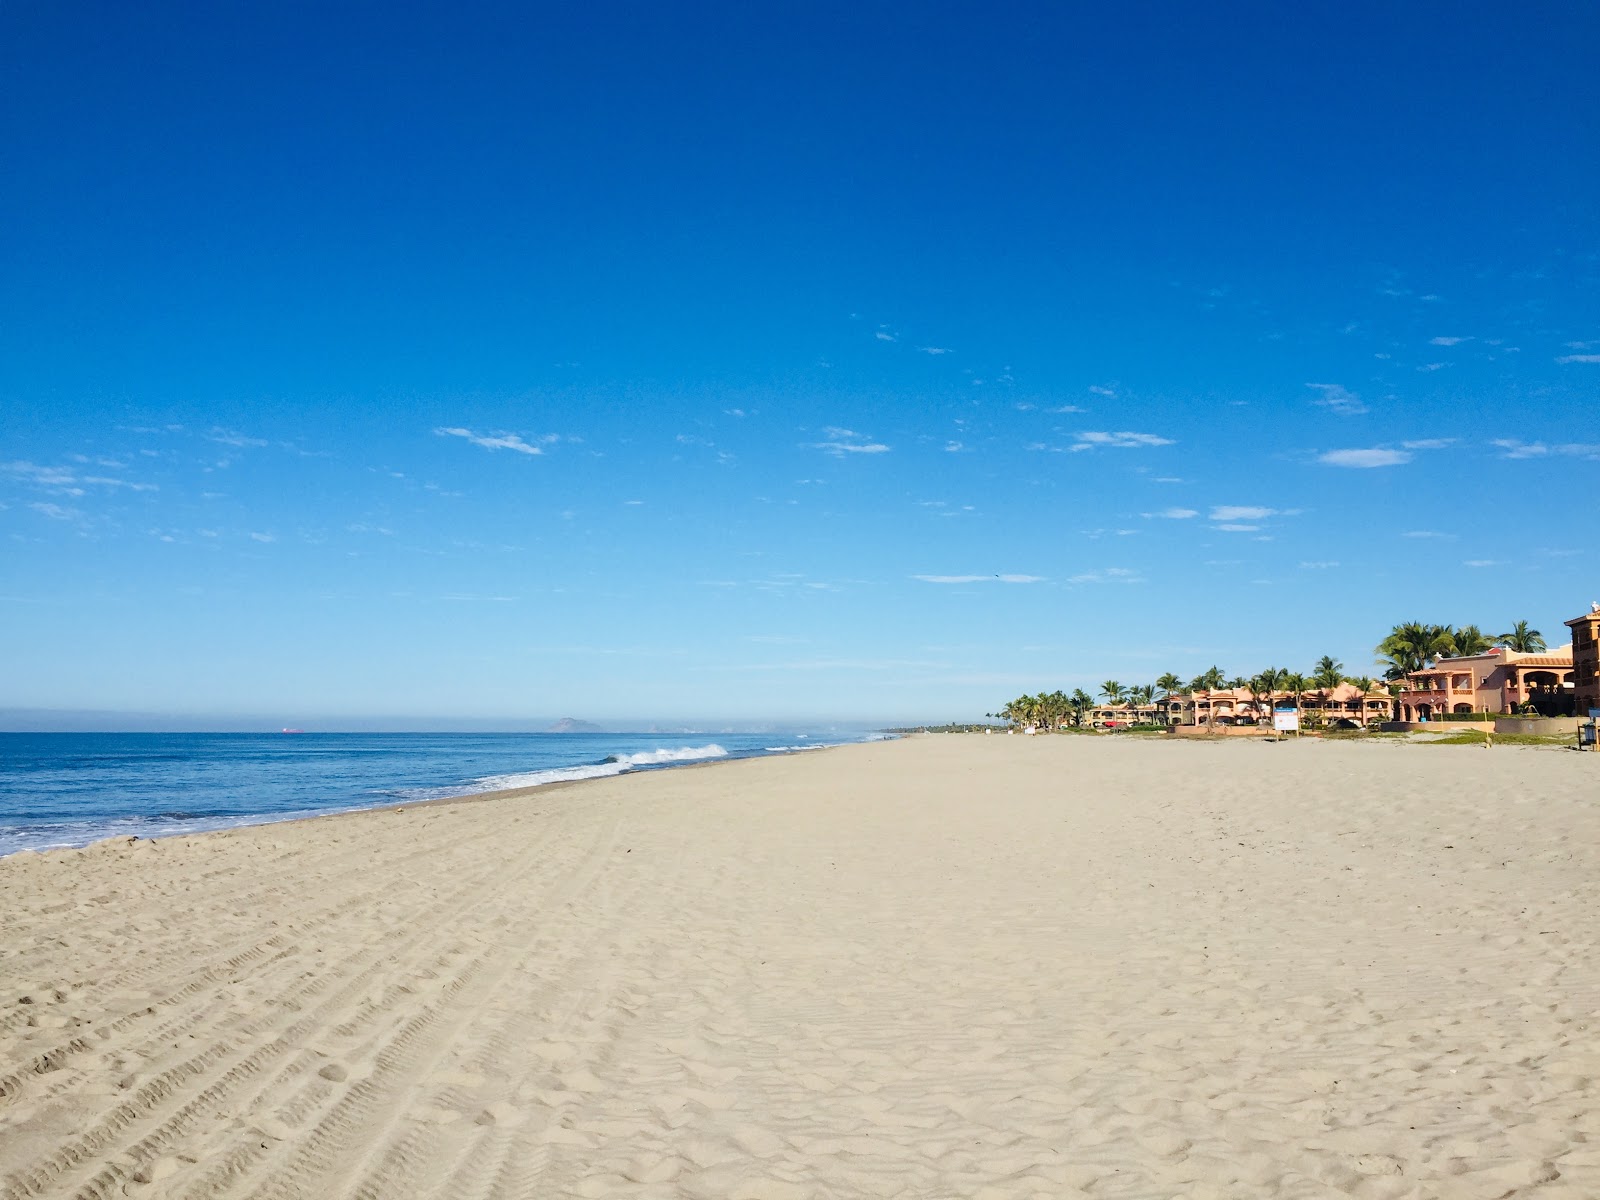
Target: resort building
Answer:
pixel 1119 716
pixel 1497 681
pixel 1344 704
pixel 1586 661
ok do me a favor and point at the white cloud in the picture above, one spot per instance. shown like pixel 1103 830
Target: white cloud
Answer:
pixel 1480 562
pixel 1317 566
pixel 1579 358
pixel 55 511
pixel 1174 514
pixel 1339 398
pixel 1375 457
pixel 1433 366
pixel 1428 533
pixel 1447 341
pixel 228 437
pixel 1124 439
pixel 847 441
pixel 1241 512
pixel 497 441
pixel 934 350
pixel 953 447
pixel 1517 449
pixel 52 478
pixel 979 578
pixel 1102 391
pixel 885 337
pixel 1068 408
pixel 1108 575
pixel 263 537
pixel 1429 444
pixel 1234 527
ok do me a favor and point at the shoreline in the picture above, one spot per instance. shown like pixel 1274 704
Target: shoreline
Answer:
pixel 251 821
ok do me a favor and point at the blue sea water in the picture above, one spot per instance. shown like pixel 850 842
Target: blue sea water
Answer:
pixel 69 789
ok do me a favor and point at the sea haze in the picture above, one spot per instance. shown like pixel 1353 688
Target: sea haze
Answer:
pixel 69 789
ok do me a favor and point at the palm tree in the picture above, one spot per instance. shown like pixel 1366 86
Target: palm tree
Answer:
pixel 1297 685
pixel 1521 639
pixel 1413 646
pixel 1113 691
pixel 1170 684
pixel 1469 640
pixel 1329 674
pixel 1081 703
pixel 1365 684
pixel 1262 687
pixel 1211 679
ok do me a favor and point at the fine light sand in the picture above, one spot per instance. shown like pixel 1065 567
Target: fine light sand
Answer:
pixel 943 967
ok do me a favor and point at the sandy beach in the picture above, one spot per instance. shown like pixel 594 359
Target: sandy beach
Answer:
pixel 943 967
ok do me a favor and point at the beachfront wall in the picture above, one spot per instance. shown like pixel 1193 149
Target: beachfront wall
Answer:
pixel 1499 681
pixel 1586 660
pixel 1223 708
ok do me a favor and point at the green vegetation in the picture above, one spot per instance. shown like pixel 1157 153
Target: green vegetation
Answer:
pixel 1521 639
pixel 1474 737
pixel 1415 645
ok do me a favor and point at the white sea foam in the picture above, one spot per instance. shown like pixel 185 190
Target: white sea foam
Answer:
pixel 526 779
pixel 651 758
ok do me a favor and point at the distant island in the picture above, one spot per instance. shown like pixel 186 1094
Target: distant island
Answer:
pixel 573 725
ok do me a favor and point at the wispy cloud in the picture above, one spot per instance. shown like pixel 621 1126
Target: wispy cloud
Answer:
pixel 1428 533
pixel 1173 514
pixel 1579 358
pixel 51 479
pixel 229 437
pixel 933 349
pixel 263 537
pixel 1374 457
pixel 1448 341
pixel 56 512
pixel 1102 391
pixel 1433 366
pixel 1481 562
pixel 1320 565
pixel 1107 575
pixel 953 447
pixel 847 441
pixel 63 481
pixel 1517 449
pixel 980 578
pixel 1340 399
pixel 1068 408
pixel 1125 439
pixel 498 441
pixel 885 337
pixel 1241 512
pixel 1236 527
pixel 1429 444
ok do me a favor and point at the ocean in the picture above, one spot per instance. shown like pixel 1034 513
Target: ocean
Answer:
pixel 70 789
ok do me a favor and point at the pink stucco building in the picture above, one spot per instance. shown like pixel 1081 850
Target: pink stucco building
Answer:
pixel 1239 706
pixel 1497 681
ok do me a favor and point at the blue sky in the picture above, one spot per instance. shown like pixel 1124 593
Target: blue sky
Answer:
pixel 702 362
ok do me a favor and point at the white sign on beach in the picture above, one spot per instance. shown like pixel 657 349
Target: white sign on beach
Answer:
pixel 1285 720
